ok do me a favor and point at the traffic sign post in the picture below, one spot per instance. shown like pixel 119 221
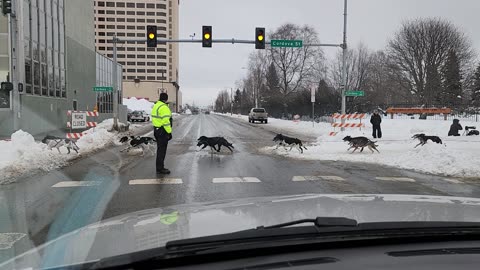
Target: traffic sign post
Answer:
pixel 279 43
pixel 354 93
pixel 79 120
pixel 103 89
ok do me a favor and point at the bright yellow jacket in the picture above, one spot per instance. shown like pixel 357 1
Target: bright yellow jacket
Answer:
pixel 161 116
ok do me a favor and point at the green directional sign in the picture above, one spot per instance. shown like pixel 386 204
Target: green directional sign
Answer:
pixel 277 43
pixel 103 89
pixel 354 93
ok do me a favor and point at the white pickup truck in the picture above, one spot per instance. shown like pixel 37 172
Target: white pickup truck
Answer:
pixel 258 114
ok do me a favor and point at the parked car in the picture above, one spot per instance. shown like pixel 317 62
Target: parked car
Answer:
pixel 129 115
pixel 141 116
pixel 258 114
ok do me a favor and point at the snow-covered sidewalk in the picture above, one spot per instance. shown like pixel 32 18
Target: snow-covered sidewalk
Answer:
pixel 457 157
pixel 23 155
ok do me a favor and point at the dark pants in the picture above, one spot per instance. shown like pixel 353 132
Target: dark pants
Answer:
pixel 377 132
pixel 162 142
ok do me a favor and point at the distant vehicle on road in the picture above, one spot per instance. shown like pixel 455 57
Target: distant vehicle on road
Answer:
pixel 141 116
pixel 207 112
pixel 129 115
pixel 258 114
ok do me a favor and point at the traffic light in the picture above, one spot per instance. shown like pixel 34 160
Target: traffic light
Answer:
pixel 6 7
pixel 207 36
pixel 151 36
pixel 259 38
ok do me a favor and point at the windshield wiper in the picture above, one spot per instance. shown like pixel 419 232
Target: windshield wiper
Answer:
pixel 318 222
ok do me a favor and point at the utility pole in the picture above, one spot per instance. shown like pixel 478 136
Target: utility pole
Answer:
pixel 115 84
pixel 231 101
pixel 344 60
pixel 14 76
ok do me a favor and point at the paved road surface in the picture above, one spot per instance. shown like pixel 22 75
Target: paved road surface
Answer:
pixel 111 183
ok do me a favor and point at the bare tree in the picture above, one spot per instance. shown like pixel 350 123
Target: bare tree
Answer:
pixel 294 65
pixel 420 49
pixel 358 63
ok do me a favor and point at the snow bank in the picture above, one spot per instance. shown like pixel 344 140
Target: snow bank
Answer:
pixel 22 154
pixel 135 104
pixel 457 157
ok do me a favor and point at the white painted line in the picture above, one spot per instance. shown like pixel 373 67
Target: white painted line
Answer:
pixel 7 240
pixel 76 184
pixel 236 180
pixel 399 179
pixel 159 181
pixel 317 178
pixel 453 181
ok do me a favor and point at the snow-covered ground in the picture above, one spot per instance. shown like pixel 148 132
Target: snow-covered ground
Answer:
pixel 457 157
pixel 22 154
pixel 135 104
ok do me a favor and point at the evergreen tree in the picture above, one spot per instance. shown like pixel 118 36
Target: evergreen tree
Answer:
pixel 452 80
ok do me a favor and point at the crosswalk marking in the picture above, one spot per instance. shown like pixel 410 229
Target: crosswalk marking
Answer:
pixel 159 181
pixel 317 178
pixel 399 179
pixel 236 180
pixel 453 181
pixel 76 184
pixel 7 240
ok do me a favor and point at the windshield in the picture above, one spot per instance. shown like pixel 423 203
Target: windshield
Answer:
pixel 128 124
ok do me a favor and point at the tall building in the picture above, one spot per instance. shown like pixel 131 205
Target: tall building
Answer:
pixel 147 71
pixel 50 58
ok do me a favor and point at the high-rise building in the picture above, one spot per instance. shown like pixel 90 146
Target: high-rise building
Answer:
pixel 146 71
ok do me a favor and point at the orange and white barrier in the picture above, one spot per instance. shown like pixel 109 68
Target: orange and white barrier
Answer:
pixel 333 133
pixel 74 135
pixel 349 116
pixel 348 125
pixel 94 113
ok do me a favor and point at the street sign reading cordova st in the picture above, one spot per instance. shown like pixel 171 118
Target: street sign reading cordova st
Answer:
pixel 276 43
pixel 103 89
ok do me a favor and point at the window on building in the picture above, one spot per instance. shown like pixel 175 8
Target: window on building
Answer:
pixel 149 13
pixel 111 12
pixel 121 63
pixel 159 78
pixel 110 19
pixel 162 6
pixel 161 49
pixel 140 13
pixel 131 27
pixel 131 5
pixel 140 20
pixel 102 34
pixel 110 26
pixel 101 19
pixel 150 20
pixel 162 28
pixel 101 41
pixel 140 27
pixel 101 48
pixel 131 49
pixel 162 71
pixel 150 78
pixel 121 55
pixel 142 56
pixel 140 49
pixel 129 12
pixel 120 4
pixel 140 5
pixel 110 34
pixel 130 34
pixel 162 36
pixel 130 63
pixel 101 11
pixel 101 4
pixel 140 63
pixel 150 70
pixel 120 12
pixel 162 14
pixel 130 56
pixel 140 34
pixel 150 56
pixel 101 26
pixel 150 5
pixel 130 77
pixel 131 70
pixel 120 19
pixel 120 34
pixel 161 64
pixel 161 21
pixel 121 27
pixel 141 77
pixel 161 56
pixel 131 20
pixel 110 4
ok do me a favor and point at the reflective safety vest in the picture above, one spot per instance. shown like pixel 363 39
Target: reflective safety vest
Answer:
pixel 161 115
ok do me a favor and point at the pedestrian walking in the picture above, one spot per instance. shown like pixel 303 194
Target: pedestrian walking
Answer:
pixel 162 130
pixel 375 120
pixel 454 128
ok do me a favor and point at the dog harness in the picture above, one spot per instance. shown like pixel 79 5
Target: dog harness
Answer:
pixel 161 115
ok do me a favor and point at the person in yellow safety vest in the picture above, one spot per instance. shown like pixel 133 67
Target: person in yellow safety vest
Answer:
pixel 162 125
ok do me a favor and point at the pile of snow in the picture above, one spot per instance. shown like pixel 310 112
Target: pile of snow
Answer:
pixel 135 104
pixel 22 154
pixel 457 157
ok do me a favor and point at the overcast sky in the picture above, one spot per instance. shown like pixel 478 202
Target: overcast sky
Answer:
pixel 205 71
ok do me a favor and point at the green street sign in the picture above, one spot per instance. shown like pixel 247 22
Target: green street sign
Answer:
pixel 103 89
pixel 277 43
pixel 354 93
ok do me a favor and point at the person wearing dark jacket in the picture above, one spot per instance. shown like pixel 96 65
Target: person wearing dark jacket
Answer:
pixel 454 128
pixel 375 120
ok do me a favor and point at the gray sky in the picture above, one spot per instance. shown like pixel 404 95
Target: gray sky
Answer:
pixel 205 71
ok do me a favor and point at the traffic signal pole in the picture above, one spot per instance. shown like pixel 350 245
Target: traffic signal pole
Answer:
pixel 115 83
pixel 344 62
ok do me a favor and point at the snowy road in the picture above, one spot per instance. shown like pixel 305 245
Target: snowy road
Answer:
pixel 110 183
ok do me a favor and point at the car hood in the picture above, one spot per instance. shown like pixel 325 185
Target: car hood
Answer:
pixel 155 227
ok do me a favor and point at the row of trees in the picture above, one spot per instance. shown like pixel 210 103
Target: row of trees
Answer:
pixel 428 62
